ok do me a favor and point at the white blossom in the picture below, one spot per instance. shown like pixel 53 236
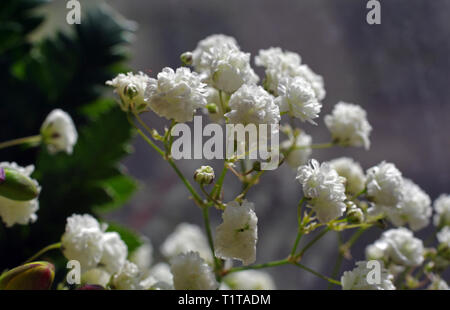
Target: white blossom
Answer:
pixel 297 98
pixel 115 252
pixel 191 272
pixel 161 273
pixel 299 153
pixel 384 184
pixel 413 209
pixel 250 280
pixel 348 125
pixel 251 104
pixel 176 94
pixel 96 276
pixel 399 246
pixel 131 90
pixel 278 65
pixel 129 278
pixel 19 212
pixel 356 279
pixel 186 237
pixel 236 237
pixel 437 283
pixel 58 132
pixel 325 189
pixel 82 240
pixel 314 79
pixel 143 255
pixel 444 236
pixel 201 54
pixel 352 172
pixel 442 208
pixel 228 69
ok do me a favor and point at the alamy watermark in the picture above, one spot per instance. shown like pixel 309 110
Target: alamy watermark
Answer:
pixel 373 17
pixel 74 14
pixel 255 142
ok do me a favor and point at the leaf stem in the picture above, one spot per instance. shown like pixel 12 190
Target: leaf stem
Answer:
pixel 311 243
pixel 31 139
pixel 330 280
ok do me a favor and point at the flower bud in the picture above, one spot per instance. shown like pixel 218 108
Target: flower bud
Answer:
pixel 186 58
pixel 257 166
pixel 130 91
pixel 15 185
pixel 204 175
pixel 212 108
pixel 354 214
pixel 31 276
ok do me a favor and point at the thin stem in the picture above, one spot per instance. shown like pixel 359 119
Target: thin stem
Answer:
pixel 311 243
pixel 186 182
pixel 218 186
pixel 144 136
pixel 359 194
pixel 31 139
pixel 300 227
pixel 219 204
pixel 259 266
pixel 339 260
pixel 332 281
pixel 355 237
pixel 315 146
pixel 205 213
pixel 46 249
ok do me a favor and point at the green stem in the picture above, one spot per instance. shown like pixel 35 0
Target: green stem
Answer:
pixel 340 259
pixel 315 146
pixel 205 213
pixel 259 266
pixel 219 204
pixel 359 194
pixel 355 237
pixel 311 243
pixel 300 227
pixel 332 281
pixel 46 249
pixel 31 139
pixel 218 186
pixel 144 136
pixel 186 182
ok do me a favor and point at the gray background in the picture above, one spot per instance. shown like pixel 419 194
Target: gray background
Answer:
pixel 398 71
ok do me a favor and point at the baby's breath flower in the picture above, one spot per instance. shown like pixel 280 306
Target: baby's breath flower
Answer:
pixel 399 246
pixel 314 79
pixel 413 209
pixel 297 97
pixel 352 172
pixel 251 104
pixel 58 132
pixel 129 278
pixel 356 279
pixel 186 237
pixel 143 255
pixel 444 236
pixel 82 240
pixel 236 237
pixel 348 125
pixel 96 276
pixel 176 94
pixel 131 90
pixel 190 272
pixel 115 252
pixel 325 189
pixel 15 211
pixel 250 280
pixel 384 184
pixel 442 208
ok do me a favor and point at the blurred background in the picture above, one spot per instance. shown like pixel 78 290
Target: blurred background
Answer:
pixel 398 71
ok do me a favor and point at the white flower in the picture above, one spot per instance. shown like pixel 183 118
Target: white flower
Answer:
pixel 185 238
pixel 236 237
pixel 352 172
pixel 437 283
pixel 15 211
pixel 82 240
pixel 297 97
pixel 176 94
pixel 325 189
pixel 300 152
pixel 96 276
pixel 250 280
pixel 131 90
pixel 129 278
pixel 399 246
pixel 201 54
pixel 444 236
pixel 161 273
pixel 314 79
pixel 278 65
pixel 115 252
pixel 348 125
pixel 190 272
pixel 384 184
pixel 414 208
pixel 251 104
pixel 229 69
pixel 58 132
pixel 143 255
pixel 442 208
pixel 356 279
